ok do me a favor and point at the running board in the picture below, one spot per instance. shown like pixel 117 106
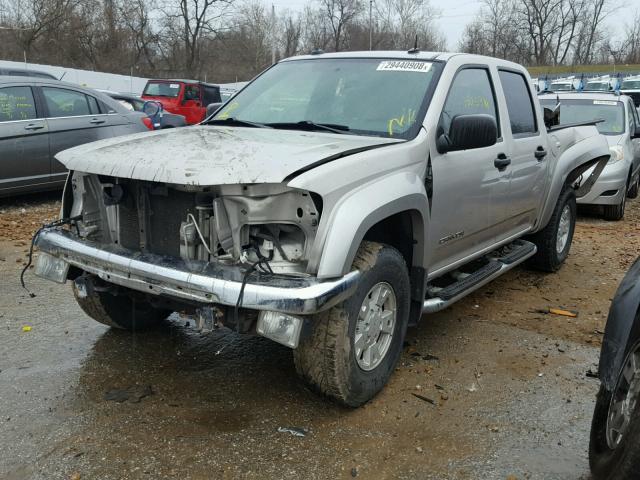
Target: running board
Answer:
pixel 499 262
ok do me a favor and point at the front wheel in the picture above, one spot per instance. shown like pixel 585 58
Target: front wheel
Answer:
pixel 554 240
pixel 615 212
pixel 615 429
pixel 633 191
pixel 354 346
pixel 122 311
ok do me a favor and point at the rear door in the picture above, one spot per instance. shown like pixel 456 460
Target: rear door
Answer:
pixel 74 118
pixel 24 141
pixel 518 206
pixel 464 181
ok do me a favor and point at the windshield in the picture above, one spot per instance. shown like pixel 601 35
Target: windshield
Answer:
pixel 560 87
pixel 161 89
pixel 597 86
pixel 577 111
pixel 630 85
pixel 362 96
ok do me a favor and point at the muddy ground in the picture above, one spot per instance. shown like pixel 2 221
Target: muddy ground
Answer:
pixel 508 382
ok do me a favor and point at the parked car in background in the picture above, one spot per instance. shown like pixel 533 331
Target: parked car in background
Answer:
pixel 567 84
pixel 605 83
pixel 614 447
pixel 326 208
pixel 39 118
pixel 621 126
pixel 158 116
pixel 631 86
pixel 26 72
pixel 183 97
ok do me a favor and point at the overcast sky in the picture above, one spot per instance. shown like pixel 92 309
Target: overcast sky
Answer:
pixel 455 14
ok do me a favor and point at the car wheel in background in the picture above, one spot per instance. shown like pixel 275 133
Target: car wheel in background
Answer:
pixel 633 191
pixel 615 212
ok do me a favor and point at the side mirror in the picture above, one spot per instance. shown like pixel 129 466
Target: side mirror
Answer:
pixel 213 108
pixel 467 132
pixel 151 109
pixel 636 134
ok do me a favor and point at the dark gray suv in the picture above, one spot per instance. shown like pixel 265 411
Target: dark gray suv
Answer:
pixel 40 117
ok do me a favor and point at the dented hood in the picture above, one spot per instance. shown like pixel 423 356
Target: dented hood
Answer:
pixel 213 155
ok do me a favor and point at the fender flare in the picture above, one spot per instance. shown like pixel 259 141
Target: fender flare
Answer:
pixel 572 163
pixel 621 331
pixel 356 213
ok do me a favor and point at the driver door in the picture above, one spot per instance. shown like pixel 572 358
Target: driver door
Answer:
pixel 464 181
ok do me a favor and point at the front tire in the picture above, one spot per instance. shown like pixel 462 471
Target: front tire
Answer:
pixel 615 429
pixel 554 240
pixel 123 311
pixel 354 346
pixel 633 191
pixel 614 213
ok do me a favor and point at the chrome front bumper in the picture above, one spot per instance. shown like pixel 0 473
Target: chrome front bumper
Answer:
pixel 196 281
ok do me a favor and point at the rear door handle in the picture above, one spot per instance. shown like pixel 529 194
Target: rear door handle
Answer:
pixel 502 162
pixel 96 121
pixel 34 126
pixel 540 153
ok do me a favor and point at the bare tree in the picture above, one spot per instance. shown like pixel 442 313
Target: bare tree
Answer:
pixel 339 14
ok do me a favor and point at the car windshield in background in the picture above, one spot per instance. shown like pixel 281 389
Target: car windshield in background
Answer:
pixel 560 87
pixel 362 96
pixel 583 110
pixel 597 86
pixel 162 89
pixel 630 85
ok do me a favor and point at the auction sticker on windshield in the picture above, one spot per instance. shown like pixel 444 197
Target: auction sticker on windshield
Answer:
pixel 404 66
pixel 605 102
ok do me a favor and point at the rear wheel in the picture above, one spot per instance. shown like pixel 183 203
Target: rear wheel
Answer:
pixel 354 346
pixel 554 240
pixel 121 311
pixel 615 429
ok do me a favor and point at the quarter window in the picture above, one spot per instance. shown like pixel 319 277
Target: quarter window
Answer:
pixel 16 103
pixel 471 93
pixel 65 103
pixel 519 103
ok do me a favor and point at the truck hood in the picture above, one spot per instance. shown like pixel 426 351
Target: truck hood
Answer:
pixel 214 155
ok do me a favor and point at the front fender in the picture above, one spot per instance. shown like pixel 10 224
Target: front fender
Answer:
pixel 361 209
pixel 620 330
pixel 571 163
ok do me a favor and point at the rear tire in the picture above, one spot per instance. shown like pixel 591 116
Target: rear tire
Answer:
pixel 118 311
pixel 552 251
pixel 337 359
pixel 613 213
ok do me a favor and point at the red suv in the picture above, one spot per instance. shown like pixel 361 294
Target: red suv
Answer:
pixel 183 97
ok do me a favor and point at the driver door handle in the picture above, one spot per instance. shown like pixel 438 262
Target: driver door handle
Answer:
pixel 502 162
pixel 96 121
pixel 34 126
pixel 540 153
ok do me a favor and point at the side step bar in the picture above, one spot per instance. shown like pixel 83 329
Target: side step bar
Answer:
pixel 499 262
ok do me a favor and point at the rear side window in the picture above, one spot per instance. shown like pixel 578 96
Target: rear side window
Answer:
pixel 519 103
pixel 65 103
pixel 16 103
pixel 471 93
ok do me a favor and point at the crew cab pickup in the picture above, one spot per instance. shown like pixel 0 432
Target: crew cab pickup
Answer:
pixel 327 206
pixel 188 98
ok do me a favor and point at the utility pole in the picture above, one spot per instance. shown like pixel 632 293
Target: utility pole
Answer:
pixel 273 34
pixel 370 25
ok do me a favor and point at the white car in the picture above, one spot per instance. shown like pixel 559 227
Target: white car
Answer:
pixel 620 124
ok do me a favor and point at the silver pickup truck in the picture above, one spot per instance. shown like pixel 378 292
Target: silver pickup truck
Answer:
pixel 327 206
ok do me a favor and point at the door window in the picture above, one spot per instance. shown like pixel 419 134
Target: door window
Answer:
pixel 192 92
pixel 632 118
pixel 93 105
pixel 16 103
pixel 519 103
pixel 65 103
pixel 471 93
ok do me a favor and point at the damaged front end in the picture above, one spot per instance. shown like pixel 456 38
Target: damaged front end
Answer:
pixel 242 250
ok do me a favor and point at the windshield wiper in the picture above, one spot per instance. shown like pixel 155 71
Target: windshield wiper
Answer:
pixel 309 125
pixel 237 122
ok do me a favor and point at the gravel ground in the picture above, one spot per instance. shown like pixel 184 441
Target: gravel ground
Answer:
pixel 511 399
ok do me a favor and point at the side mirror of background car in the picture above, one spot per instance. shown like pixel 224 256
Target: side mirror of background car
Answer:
pixel 151 108
pixel 636 134
pixel 467 132
pixel 213 107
